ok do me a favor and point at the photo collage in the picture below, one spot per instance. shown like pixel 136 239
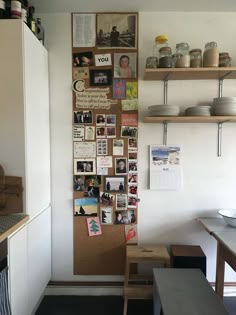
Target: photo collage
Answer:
pixel 105 120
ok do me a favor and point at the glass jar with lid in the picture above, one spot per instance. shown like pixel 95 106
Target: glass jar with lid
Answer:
pixel 165 57
pixel 224 59
pixel 195 58
pixel 182 56
pixel 211 55
pixel 160 41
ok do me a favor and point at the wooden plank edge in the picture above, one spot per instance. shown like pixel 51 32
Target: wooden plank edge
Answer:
pixel 15 227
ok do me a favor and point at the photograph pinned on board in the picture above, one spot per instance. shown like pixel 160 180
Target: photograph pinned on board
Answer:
pixel 118 89
pixel 125 217
pixel 78 133
pixel 83 59
pixel 132 167
pixel 102 77
pixel 102 148
pixel 83 117
pixel 92 180
pixel 100 132
pixel 115 183
pixel 110 120
pixel 133 190
pixel 81 73
pixel 91 192
pixel 120 166
pixel 118 147
pixel 106 215
pixel 127 131
pixel 85 207
pixel 78 183
pixel 111 132
pixel 121 202
pixel 94 226
pixel 131 234
pixel 132 144
pixel 89 133
pixel 132 155
pixel 84 166
pixel 132 202
pixel 107 199
pixel 132 178
pixel 100 119
pixel 125 65
pixel 117 30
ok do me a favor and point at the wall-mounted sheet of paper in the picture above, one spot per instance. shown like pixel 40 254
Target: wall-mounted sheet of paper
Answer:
pixel 104 161
pixel 102 171
pixel 78 133
pixel 165 167
pixel 84 149
pixel 103 60
pixel 84 30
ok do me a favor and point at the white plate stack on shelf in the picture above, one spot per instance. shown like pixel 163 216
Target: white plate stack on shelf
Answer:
pixel 224 106
pixel 164 110
pixel 202 110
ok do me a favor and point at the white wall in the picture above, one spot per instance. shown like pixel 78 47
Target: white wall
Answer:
pixel 209 181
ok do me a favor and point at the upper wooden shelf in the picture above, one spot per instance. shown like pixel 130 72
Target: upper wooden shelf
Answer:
pixel 190 73
pixel 189 119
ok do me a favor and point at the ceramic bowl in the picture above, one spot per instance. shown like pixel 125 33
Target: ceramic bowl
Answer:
pixel 229 215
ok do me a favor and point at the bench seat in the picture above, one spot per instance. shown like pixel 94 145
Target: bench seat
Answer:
pixel 184 292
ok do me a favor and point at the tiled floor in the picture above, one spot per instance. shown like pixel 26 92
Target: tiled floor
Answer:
pixel 104 305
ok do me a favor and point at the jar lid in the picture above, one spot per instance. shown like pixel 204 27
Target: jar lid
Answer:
pixel 182 45
pixel 223 54
pixel 161 39
pixel 196 50
pixel 211 45
pixel 165 49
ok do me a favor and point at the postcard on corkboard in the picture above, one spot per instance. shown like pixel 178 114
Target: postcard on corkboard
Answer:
pixel 94 226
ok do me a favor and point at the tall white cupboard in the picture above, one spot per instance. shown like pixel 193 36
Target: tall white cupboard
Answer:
pixel 25 152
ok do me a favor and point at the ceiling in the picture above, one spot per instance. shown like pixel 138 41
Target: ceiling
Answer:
pixel 60 6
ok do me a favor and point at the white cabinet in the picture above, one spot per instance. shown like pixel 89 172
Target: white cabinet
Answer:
pixel 18 272
pixel 29 263
pixel 39 256
pixel 24 113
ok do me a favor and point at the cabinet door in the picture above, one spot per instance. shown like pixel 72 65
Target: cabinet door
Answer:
pixel 18 272
pixel 37 135
pixel 39 256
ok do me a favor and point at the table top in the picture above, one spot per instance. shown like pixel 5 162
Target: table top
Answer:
pixel 228 239
pixel 186 291
pixel 148 253
pixel 10 223
pixel 215 225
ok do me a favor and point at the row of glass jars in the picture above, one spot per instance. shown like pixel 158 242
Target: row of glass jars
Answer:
pixel 183 58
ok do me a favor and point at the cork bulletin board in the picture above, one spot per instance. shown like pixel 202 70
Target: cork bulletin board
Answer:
pixel 105 140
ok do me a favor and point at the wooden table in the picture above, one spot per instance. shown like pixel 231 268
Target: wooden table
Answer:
pixel 226 247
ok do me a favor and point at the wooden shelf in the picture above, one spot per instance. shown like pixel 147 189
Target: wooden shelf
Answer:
pixel 189 119
pixel 190 73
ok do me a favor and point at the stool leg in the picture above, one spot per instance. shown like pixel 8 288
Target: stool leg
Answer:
pixel 125 305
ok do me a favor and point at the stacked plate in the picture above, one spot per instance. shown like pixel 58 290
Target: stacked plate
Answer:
pixel 164 110
pixel 224 106
pixel 202 110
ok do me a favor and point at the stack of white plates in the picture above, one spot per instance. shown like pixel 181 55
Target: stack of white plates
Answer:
pixel 164 110
pixel 224 106
pixel 202 110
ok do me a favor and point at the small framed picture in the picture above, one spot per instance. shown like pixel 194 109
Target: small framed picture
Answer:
pixel 127 131
pixel 133 167
pixel 121 202
pixel 115 183
pixel 121 166
pixel 84 166
pixel 100 119
pixel 110 120
pixel 83 117
pixel 132 144
pixel 111 132
pixel 133 155
pixel 107 199
pixel 78 183
pixel 101 77
pixel 106 215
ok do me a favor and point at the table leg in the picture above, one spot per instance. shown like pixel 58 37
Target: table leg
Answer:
pixel 220 272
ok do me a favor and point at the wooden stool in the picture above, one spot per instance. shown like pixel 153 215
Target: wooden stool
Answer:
pixel 188 256
pixel 142 254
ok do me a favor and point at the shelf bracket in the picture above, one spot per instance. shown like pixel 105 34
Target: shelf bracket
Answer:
pixel 165 131
pixel 219 142
pixel 221 81
pixel 166 88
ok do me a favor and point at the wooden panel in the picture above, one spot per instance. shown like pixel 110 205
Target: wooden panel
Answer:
pixel 98 255
pixel 190 73
pixel 13 192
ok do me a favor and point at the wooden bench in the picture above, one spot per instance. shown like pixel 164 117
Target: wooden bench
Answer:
pixel 184 292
